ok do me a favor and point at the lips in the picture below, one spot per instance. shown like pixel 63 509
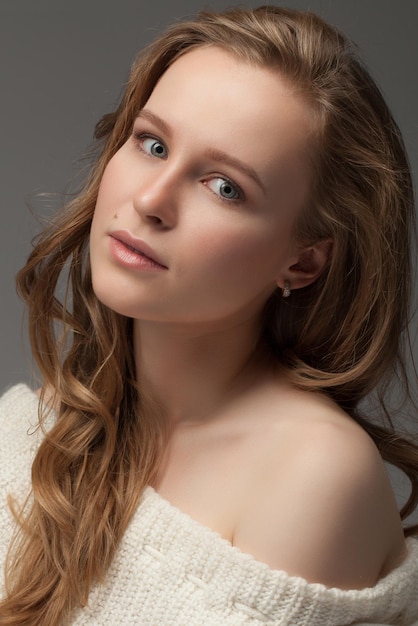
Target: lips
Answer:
pixel 138 247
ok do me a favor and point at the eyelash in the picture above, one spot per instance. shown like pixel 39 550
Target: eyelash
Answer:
pixel 228 181
pixel 140 137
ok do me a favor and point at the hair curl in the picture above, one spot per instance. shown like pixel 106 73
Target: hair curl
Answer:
pixel 340 335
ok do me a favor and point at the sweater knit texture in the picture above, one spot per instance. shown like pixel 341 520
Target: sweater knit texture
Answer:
pixel 169 570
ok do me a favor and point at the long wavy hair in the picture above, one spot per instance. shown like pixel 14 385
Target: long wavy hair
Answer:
pixel 340 335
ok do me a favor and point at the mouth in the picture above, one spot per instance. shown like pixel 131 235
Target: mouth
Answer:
pixel 133 251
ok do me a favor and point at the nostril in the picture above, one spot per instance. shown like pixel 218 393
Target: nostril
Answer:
pixel 154 219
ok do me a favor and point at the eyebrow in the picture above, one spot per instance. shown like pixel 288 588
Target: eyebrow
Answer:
pixel 212 153
pixel 223 157
pixel 155 119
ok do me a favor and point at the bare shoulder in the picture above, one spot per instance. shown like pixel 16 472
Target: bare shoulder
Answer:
pixel 322 506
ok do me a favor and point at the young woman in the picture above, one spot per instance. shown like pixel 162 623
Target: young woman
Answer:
pixel 238 281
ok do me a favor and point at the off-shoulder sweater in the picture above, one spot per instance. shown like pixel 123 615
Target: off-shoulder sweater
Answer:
pixel 170 570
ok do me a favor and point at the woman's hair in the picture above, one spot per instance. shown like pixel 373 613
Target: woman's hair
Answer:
pixel 340 335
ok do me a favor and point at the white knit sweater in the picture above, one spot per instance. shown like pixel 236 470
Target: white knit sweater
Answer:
pixel 171 571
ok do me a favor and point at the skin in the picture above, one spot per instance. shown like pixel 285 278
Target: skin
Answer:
pixel 284 475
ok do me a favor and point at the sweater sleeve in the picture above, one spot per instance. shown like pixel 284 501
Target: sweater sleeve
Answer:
pixel 19 440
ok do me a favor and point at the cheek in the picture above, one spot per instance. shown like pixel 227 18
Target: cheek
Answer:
pixel 116 183
pixel 109 198
pixel 227 271
pixel 103 214
pixel 250 255
pixel 109 186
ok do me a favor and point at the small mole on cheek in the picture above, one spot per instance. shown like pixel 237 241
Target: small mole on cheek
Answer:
pixel 115 217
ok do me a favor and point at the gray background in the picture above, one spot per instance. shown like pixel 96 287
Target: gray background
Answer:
pixel 63 65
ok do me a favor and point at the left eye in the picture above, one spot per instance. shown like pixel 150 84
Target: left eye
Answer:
pixel 154 147
pixel 224 188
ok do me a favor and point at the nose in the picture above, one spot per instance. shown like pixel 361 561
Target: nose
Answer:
pixel 156 197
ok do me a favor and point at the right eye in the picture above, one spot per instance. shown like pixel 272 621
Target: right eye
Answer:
pixel 151 146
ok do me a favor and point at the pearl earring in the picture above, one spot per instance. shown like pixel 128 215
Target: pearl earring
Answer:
pixel 286 289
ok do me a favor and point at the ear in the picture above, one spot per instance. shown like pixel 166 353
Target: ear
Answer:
pixel 310 264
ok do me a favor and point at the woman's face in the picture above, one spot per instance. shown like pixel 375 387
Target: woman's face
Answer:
pixel 208 185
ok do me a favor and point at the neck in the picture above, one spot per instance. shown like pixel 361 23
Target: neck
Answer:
pixel 192 371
